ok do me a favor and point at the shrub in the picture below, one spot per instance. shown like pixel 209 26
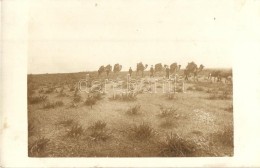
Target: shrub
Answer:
pixel 175 146
pixel 77 98
pixel 59 103
pixel 224 137
pixel 50 90
pixel 129 97
pixel 62 94
pixel 167 111
pixel 124 97
pixel 75 131
pixel 41 91
pixel 90 101
pixel 223 95
pixel 98 131
pixel 142 131
pixel 98 125
pixel 134 110
pixel 167 123
pixel 97 95
pixel 49 105
pixel 99 135
pixel 38 147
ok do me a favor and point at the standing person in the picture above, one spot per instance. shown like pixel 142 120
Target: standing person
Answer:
pixel 130 71
pixel 167 72
pixel 151 71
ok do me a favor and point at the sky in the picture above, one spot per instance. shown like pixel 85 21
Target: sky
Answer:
pixel 80 35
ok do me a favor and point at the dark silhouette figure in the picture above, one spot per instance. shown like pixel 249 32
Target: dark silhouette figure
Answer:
pixel 130 71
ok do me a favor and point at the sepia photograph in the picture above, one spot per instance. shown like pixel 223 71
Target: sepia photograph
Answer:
pixel 123 85
pixel 112 83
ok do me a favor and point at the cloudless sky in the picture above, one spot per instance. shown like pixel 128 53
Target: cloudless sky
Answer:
pixel 81 35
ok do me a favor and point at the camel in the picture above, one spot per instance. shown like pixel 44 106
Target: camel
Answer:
pixel 219 75
pixel 106 69
pixel 192 68
pixel 101 70
pixel 117 68
pixel 227 75
pixel 158 68
pixel 215 75
pixel 140 68
pixel 174 68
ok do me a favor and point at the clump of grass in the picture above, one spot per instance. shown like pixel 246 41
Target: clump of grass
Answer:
pixel 36 99
pixel 99 131
pixel 77 98
pixel 97 95
pixel 124 97
pixel 41 91
pixel 167 111
pixel 129 97
pixel 222 95
pixel 62 93
pixel 176 146
pixel 38 147
pixel 224 137
pixel 50 90
pixel 98 125
pixel 90 101
pixel 142 132
pixel 167 123
pixel 59 103
pixel 134 110
pixel 75 131
pixel 49 105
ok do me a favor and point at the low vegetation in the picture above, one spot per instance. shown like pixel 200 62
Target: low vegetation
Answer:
pixel 39 146
pixel 98 131
pixel 52 105
pixel 76 130
pixel 135 110
pixel 176 146
pixel 142 132
pixel 36 99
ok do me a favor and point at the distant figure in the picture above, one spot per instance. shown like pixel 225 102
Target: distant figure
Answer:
pixel 130 71
pixel 151 72
pixel 167 72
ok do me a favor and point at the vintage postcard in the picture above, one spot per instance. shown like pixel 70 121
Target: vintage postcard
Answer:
pixel 112 83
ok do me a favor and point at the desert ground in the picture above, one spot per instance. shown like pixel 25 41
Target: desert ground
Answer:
pixel 64 121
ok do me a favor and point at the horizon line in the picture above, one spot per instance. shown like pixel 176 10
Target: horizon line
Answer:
pixel 91 71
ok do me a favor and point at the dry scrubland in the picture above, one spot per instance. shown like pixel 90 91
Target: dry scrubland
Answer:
pixel 63 122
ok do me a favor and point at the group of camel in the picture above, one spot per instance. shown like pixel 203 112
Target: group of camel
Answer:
pixel 191 69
